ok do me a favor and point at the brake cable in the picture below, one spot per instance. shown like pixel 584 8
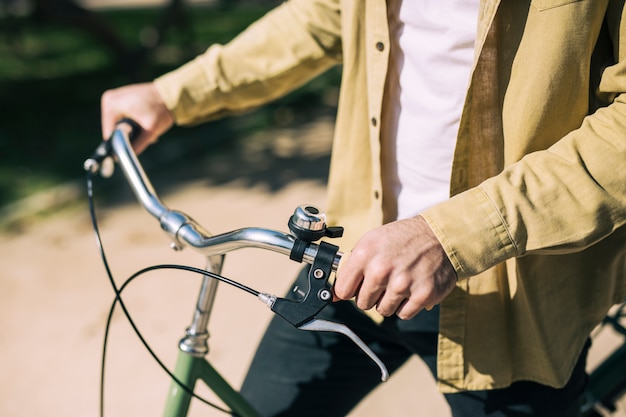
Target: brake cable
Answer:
pixel 118 300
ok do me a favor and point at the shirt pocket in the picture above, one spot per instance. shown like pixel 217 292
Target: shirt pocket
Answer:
pixel 551 4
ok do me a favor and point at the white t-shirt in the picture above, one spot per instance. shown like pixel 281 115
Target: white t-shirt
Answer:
pixel 432 49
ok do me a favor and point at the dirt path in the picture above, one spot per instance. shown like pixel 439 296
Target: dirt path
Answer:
pixel 54 298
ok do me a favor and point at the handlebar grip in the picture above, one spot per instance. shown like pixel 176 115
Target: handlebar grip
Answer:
pixel 98 159
pixel 135 129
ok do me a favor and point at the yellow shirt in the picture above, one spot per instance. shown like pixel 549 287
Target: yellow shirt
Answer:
pixel 534 224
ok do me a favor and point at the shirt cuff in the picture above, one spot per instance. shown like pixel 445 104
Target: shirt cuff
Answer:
pixel 471 231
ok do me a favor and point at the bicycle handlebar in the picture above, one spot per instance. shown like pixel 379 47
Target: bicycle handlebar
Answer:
pixel 182 228
pixel 307 224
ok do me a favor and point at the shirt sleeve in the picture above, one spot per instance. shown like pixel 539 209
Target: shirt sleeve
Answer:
pixel 281 51
pixel 563 199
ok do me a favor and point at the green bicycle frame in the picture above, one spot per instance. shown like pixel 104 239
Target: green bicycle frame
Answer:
pixel 189 370
pixel 607 383
pixel 192 365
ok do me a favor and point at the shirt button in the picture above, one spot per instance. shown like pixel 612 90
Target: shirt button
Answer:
pixel 380 46
pixel 374 121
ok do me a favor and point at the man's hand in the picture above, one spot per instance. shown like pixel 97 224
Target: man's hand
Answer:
pixel 400 268
pixel 143 104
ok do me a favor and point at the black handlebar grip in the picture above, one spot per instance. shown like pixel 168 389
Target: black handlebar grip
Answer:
pixel 135 129
pixel 103 151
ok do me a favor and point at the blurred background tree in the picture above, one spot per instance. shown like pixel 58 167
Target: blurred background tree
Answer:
pixel 58 56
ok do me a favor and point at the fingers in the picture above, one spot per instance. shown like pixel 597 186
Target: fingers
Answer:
pixel 369 296
pixel 390 295
pixel 387 300
pixel 378 290
pixel 349 278
pixel 390 303
pixel 404 304
pixel 395 293
pixel 143 104
pixel 409 309
pixel 400 268
pixel 107 117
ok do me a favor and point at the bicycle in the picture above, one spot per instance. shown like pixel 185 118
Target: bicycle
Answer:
pixel 303 244
pixel 607 383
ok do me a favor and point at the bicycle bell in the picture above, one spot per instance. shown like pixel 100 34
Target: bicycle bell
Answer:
pixel 308 223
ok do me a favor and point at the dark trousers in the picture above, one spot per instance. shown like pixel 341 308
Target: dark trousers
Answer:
pixel 301 373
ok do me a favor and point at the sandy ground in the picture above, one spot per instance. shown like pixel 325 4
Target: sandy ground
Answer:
pixel 54 298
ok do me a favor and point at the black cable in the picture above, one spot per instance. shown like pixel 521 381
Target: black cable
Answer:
pixel 118 300
pixel 135 328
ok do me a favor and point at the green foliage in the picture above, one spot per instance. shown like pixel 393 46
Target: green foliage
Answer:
pixel 53 71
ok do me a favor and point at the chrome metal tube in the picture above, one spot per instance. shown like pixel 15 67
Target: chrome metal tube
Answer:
pixel 250 237
pixel 185 230
pixel 135 174
pixel 196 339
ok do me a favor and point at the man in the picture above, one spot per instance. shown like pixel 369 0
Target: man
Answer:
pixel 476 167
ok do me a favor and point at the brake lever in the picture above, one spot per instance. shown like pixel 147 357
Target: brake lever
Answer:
pixel 289 309
pixel 319 325
pixel 302 313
